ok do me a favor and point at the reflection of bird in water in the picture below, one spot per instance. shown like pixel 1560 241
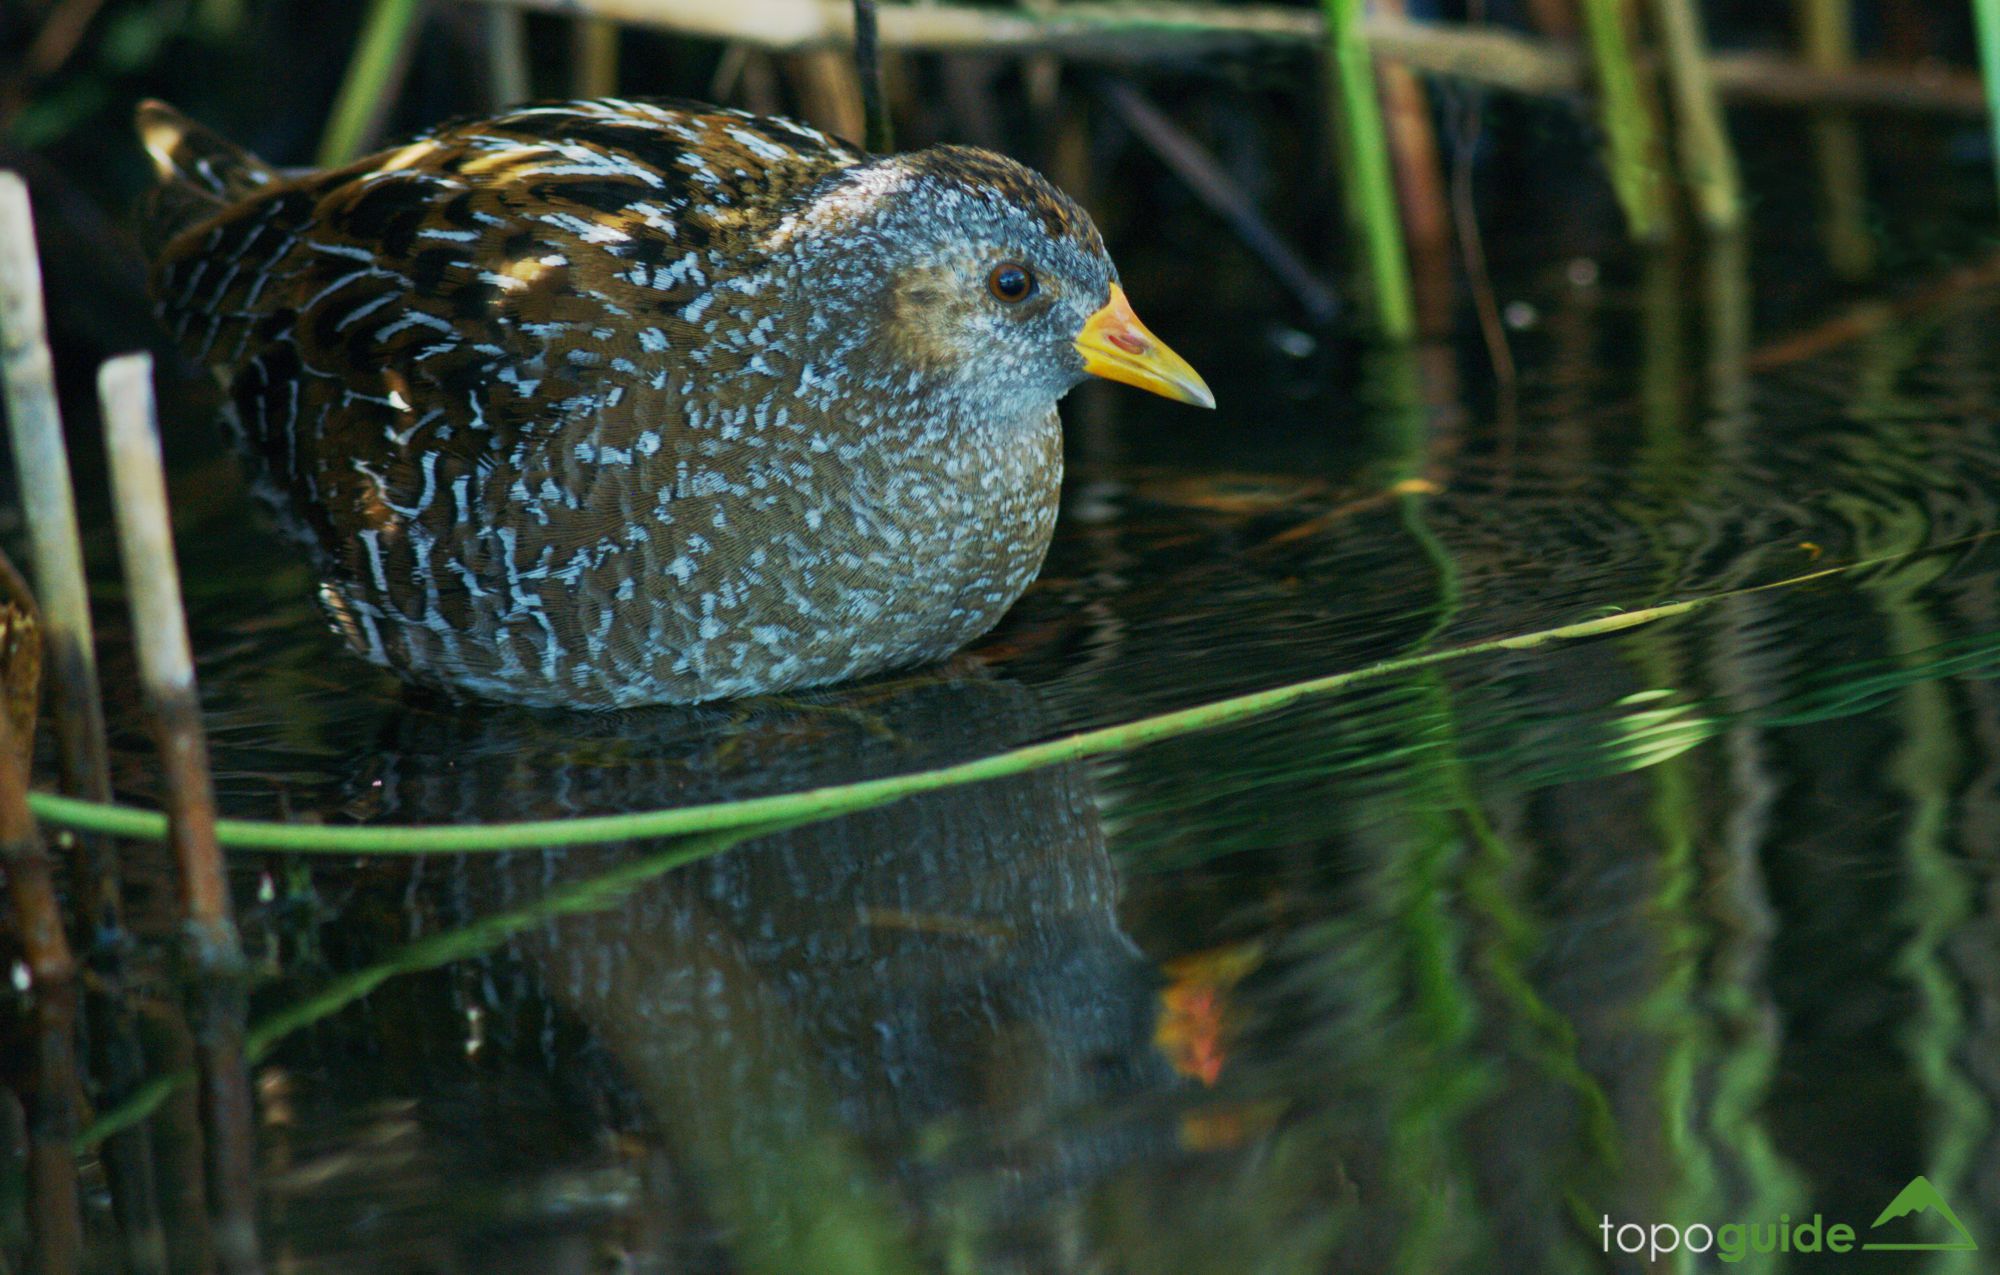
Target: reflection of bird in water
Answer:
pixel 924 1011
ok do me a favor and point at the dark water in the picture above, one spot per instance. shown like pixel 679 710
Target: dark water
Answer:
pixel 1693 923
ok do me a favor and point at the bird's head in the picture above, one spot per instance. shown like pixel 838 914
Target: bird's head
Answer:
pixel 973 276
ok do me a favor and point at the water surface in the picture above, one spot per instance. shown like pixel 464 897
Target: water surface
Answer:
pixel 1690 923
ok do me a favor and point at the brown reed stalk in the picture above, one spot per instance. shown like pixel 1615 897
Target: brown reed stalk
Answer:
pixel 55 1218
pixel 1826 37
pixel 593 57
pixel 1420 186
pixel 41 464
pixel 166 676
pixel 1556 19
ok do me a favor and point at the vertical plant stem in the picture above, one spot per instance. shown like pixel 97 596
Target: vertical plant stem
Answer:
pixel 594 57
pixel 178 1140
pixel 1413 148
pixel 1727 301
pixel 1095 425
pixel 507 79
pixel 881 134
pixel 828 91
pixel 1367 184
pixel 1986 15
pixel 1708 162
pixel 41 465
pixel 1826 33
pixel 166 664
pixel 1479 279
pixel 1631 133
pixel 166 675
pixel 1662 372
pixel 54 1217
pixel 374 74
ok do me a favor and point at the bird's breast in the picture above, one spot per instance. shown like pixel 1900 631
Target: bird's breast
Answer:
pixel 908 545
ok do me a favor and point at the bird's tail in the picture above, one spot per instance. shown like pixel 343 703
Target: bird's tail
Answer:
pixel 200 172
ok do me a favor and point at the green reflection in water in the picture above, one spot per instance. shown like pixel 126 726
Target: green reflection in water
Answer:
pixel 1451 842
pixel 1927 768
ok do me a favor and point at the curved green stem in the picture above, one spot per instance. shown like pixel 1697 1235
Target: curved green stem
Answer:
pixel 373 73
pixel 821 803
pixel 1367 183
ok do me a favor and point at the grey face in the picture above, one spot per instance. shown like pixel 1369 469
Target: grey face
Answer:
pixel 972 277
pixel 1016 297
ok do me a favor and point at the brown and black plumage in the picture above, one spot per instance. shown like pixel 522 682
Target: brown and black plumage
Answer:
pixel 618 402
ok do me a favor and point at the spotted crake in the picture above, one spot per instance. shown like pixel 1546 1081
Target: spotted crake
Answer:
pixel 619 402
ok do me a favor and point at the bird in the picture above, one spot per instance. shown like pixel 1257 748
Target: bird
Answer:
pixel 604 403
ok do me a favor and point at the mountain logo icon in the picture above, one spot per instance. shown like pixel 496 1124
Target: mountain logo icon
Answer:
pixel 1921 1197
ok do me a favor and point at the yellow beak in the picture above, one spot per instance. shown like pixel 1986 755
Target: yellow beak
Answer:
pixel 1117 347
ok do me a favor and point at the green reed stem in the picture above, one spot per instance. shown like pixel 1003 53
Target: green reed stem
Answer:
pixel 1702 137
pixel 1631 132
pixel 505 36
pixel 1986 14
pixel 1826 37
pixel 248 834
pixel 1367 182
pixel 838 799
pixel 381 55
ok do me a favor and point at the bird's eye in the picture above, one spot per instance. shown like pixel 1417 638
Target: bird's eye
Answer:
pixel 1011 282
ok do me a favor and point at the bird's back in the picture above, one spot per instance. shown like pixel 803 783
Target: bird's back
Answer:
pixel 562 401
pixel 563 214
pixel 465 366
